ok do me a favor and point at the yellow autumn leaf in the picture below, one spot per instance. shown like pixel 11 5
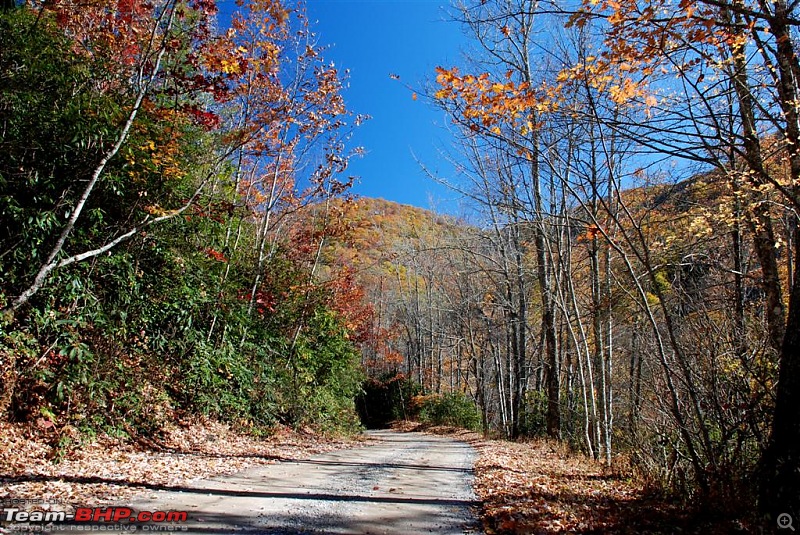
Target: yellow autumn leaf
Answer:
pixel 231 67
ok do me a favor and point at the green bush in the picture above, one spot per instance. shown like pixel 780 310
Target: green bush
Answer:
pixel 454 409
pixel 534 415
pixel 322 377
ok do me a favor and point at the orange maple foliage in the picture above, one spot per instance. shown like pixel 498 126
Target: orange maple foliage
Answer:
pixel 489 105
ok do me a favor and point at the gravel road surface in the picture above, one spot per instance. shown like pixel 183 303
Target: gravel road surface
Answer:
pixel 403 483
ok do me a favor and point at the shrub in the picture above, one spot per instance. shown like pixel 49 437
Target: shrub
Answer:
pixel 454 409
pixel 534 415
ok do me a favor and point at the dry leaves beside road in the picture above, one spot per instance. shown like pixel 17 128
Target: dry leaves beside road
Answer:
pixel 107 469
pixel 539 487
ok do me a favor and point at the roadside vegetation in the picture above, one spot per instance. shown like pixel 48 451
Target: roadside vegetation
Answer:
pixel 155 254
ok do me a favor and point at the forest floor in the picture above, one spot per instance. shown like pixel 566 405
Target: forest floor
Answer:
pixel 540 487
pixel 525 487
pixel 108 470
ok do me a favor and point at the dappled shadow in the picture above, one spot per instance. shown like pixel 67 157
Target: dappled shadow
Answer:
pixel 394 521
pixel 400 466
pixel 333 493
pixel 537 511
pixel 177 452
pixel 210 491
pixel 593 477
pixel 496 466
pixel 314 512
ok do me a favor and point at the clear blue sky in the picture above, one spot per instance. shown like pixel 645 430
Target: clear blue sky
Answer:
pixel 409 38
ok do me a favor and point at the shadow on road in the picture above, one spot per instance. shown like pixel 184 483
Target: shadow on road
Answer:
pixel 402 466
pixel 244 494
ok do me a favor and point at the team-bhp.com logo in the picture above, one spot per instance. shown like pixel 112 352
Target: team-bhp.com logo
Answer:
pixel 95 514
pixel 123 518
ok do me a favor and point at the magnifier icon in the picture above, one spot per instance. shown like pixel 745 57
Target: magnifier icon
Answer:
pixel 785 521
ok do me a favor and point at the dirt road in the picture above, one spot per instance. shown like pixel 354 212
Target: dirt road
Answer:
pixel 403 483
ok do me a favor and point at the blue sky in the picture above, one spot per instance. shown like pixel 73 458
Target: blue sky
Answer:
pixel 408 38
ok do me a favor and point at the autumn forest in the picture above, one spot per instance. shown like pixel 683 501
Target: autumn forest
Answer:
pixel 178 234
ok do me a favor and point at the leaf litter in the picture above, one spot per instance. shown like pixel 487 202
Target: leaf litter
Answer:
pixel 110 470
pixel 541 487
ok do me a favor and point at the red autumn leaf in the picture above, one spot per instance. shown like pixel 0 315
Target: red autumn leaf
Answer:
pixel 216 255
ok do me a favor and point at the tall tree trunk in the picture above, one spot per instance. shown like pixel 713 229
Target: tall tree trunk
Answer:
pixel 780 475
pixel 519 333
pixel 543 270
pixel 760 221
pixel 779 490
